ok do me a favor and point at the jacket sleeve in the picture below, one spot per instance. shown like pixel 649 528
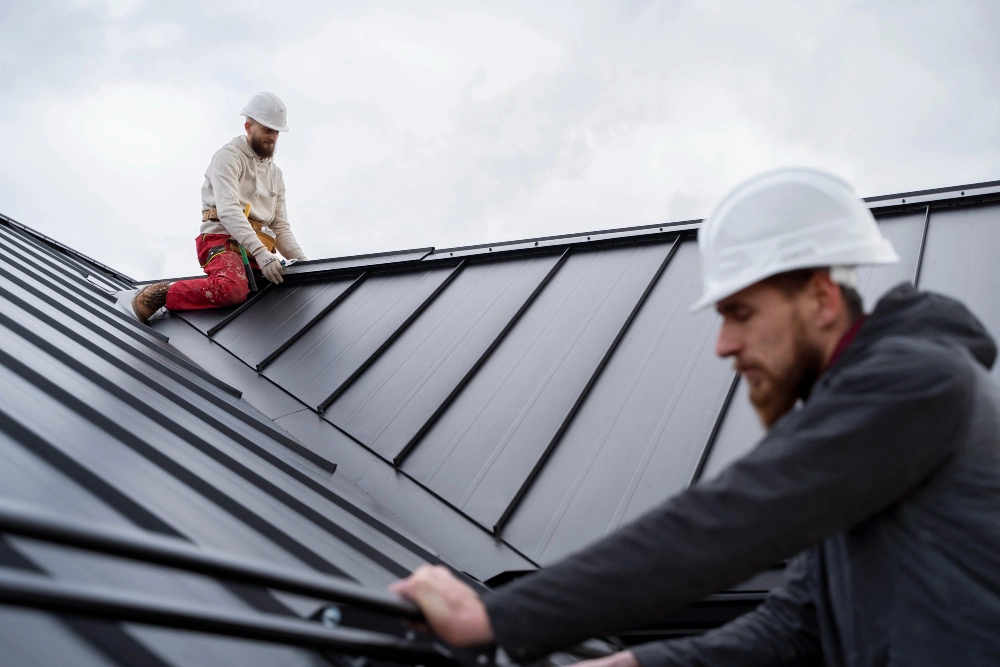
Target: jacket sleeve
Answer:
pixel 782 631
pixel 868 435
pixel 224 174
pixel 284 240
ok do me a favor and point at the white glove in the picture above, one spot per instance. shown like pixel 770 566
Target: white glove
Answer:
pixel 270 265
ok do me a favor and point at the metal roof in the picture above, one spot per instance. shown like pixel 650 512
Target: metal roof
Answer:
pixel 104 424
pixel 492 407
pixel 548 389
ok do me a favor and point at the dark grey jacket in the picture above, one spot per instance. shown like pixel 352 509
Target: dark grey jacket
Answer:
pixel 886 484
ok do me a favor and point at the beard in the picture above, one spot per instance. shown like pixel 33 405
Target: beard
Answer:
pixel 261 149
pixel 774 393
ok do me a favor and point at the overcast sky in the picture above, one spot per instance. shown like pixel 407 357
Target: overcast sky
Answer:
pixel 443 123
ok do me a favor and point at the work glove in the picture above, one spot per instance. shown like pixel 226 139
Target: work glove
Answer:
pixel 270 265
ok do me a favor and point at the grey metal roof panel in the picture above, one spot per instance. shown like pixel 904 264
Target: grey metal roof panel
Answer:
pixel 640 434
pixel 739 432
pixel 371 483
pixel 960 260
pixel 456 537
pixel 906 231
pixel 326 356
pixel 487 442
pixel 31 638
pixel 391 403
pixel 276 317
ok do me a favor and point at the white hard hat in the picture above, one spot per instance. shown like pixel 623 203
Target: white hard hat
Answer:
pixel 268 110
pixel 781 221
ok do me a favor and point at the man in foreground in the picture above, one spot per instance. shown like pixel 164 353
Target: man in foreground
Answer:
pixel 243 205
pixel 883 487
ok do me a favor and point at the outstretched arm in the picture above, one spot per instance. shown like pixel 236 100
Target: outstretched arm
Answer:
pixel 782 632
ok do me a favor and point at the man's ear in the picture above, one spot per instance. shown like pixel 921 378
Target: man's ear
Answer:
pixel 247 125
pixel 827 298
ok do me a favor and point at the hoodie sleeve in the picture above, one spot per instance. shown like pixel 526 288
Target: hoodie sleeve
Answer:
pixel 224 175
pixel 284 240
pixel 783 631
pixel 879 427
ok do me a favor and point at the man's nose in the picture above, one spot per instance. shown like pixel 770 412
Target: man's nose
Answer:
pixel 727 344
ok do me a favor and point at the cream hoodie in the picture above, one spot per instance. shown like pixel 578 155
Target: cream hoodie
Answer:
pixel 237 177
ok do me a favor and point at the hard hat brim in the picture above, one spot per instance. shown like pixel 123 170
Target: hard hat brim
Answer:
pixel 271 126
pixel 887 255
pixel 281 128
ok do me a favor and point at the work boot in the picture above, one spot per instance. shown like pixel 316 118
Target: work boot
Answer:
pixel 149 300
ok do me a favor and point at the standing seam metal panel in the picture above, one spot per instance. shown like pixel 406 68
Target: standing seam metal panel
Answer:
pixel 482 449
pixel 390 403
pixel 641 431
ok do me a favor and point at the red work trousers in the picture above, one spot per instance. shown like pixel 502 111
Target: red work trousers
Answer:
pixel 226 284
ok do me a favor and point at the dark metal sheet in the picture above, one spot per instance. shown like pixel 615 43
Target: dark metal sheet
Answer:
pixel 481 449
pixel 905 231
pixel 960 260
pixel 27 477
pixel 179 464
pixel 468 545
pixel 326 355
pixel 370 483
pixel 740 431
pixel 272 403
pixel 278 314
pixel 639 436
pixel 392 400
pixel 34 639
pixel 203 320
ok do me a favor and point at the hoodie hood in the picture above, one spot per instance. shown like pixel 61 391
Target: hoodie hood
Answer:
pixel 243 146
pixel 904 311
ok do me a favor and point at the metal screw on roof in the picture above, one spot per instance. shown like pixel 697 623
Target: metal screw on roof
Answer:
pixel 588 238
pixel 536 242
pixel 482 659
pixel 491 249
pixel 331 616
pixel 661 229
pixel 451 253
pixel 963 192
pixel 904 201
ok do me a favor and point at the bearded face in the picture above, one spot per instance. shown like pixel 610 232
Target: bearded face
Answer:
pixel 776 384
pixel 263 140
pixel 776 353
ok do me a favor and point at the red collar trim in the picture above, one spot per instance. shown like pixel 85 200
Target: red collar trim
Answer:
pixel 846 340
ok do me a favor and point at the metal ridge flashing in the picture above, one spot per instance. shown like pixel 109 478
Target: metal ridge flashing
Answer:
pixel 313 266
pixel 562 240
pixel 959 195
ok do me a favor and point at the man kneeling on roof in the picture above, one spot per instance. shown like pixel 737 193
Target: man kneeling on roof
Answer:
pixel 243 209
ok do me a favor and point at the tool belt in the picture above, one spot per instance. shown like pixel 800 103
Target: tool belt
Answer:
pixel 263 232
